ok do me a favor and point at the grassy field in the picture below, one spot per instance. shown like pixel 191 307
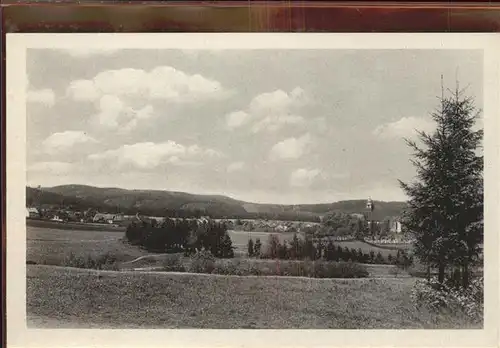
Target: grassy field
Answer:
pixel 48 245
pixel 69 297
pixel 52 246
pixel 367 248
pixel 240 238
pixel 119 299
pixel 76 225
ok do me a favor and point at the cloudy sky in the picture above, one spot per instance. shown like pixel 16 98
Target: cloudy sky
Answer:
pixel 288 126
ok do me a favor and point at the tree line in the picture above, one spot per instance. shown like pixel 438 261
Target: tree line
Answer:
pixel 186 236
pixel 343 224
pixel 309 249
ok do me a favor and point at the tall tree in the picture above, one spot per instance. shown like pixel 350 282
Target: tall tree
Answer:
pixel 445 207
pixel 250 247
pixel 257 247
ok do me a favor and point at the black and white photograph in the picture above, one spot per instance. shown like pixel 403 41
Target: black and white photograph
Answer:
pixel 335 188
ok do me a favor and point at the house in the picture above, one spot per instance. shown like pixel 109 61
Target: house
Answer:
pixel 107 218
pixel 56 218
pixel 32 213
pixel 203 219
pixel 358 216
pixel 119 217
pixel 396 226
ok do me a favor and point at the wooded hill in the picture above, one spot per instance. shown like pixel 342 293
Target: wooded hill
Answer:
pixel 171 203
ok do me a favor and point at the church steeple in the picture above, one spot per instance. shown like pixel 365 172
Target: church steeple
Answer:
pixel 369 204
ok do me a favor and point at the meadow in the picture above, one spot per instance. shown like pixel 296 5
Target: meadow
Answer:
pixel 366 248
pixel 60 296
pixel 51 246
pixel 69 297
pixel 240 238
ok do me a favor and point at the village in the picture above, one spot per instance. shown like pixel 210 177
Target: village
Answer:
pixel 388 231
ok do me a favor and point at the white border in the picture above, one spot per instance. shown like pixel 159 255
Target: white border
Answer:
pixel 19 336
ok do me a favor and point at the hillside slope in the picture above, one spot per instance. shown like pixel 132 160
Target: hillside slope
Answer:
pixel 157 203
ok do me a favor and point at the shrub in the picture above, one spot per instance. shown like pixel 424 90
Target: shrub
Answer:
pixel 283 251
pixel 296 248
pixel 273 246
pixel 330 251
pixel 348 270
pixel 292 269
pixel 395 271
pixel 389 258
pixel 366 258
pixel 437 297
pixel 253 269
pixel 173 264
pixel 231 267
pixel 103 262
pixel 202 262
pixel 354 255
pixel 321 269
pixel 346 254
pixel 360 256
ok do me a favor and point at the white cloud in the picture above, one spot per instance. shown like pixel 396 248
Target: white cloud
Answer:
pixel 271 111
pixel 45 96
pixel 113 91
pixel 237 119
pixel 276 122
pixel 111 108
pixel 82 90
pixel 145 113
pixel 406 127
pixel 290 148
pixel 235 166
pixel 213 153
pixel 113 113
pixel 66 140
pixel 278 101
pixel 161 83
pixel 87 52
pixel 148 155
pixel 304 177
pixel 54 168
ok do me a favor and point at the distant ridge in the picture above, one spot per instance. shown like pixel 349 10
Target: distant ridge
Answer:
pixel 158 202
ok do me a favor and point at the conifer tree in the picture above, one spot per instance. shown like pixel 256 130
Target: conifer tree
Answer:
pixel 227 249
pixel 330 251
pixel 295 252
pixel 445 207
pixel 250 248
pixel 257 247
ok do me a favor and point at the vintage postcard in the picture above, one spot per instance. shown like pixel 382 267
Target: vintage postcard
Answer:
pixel 256 189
